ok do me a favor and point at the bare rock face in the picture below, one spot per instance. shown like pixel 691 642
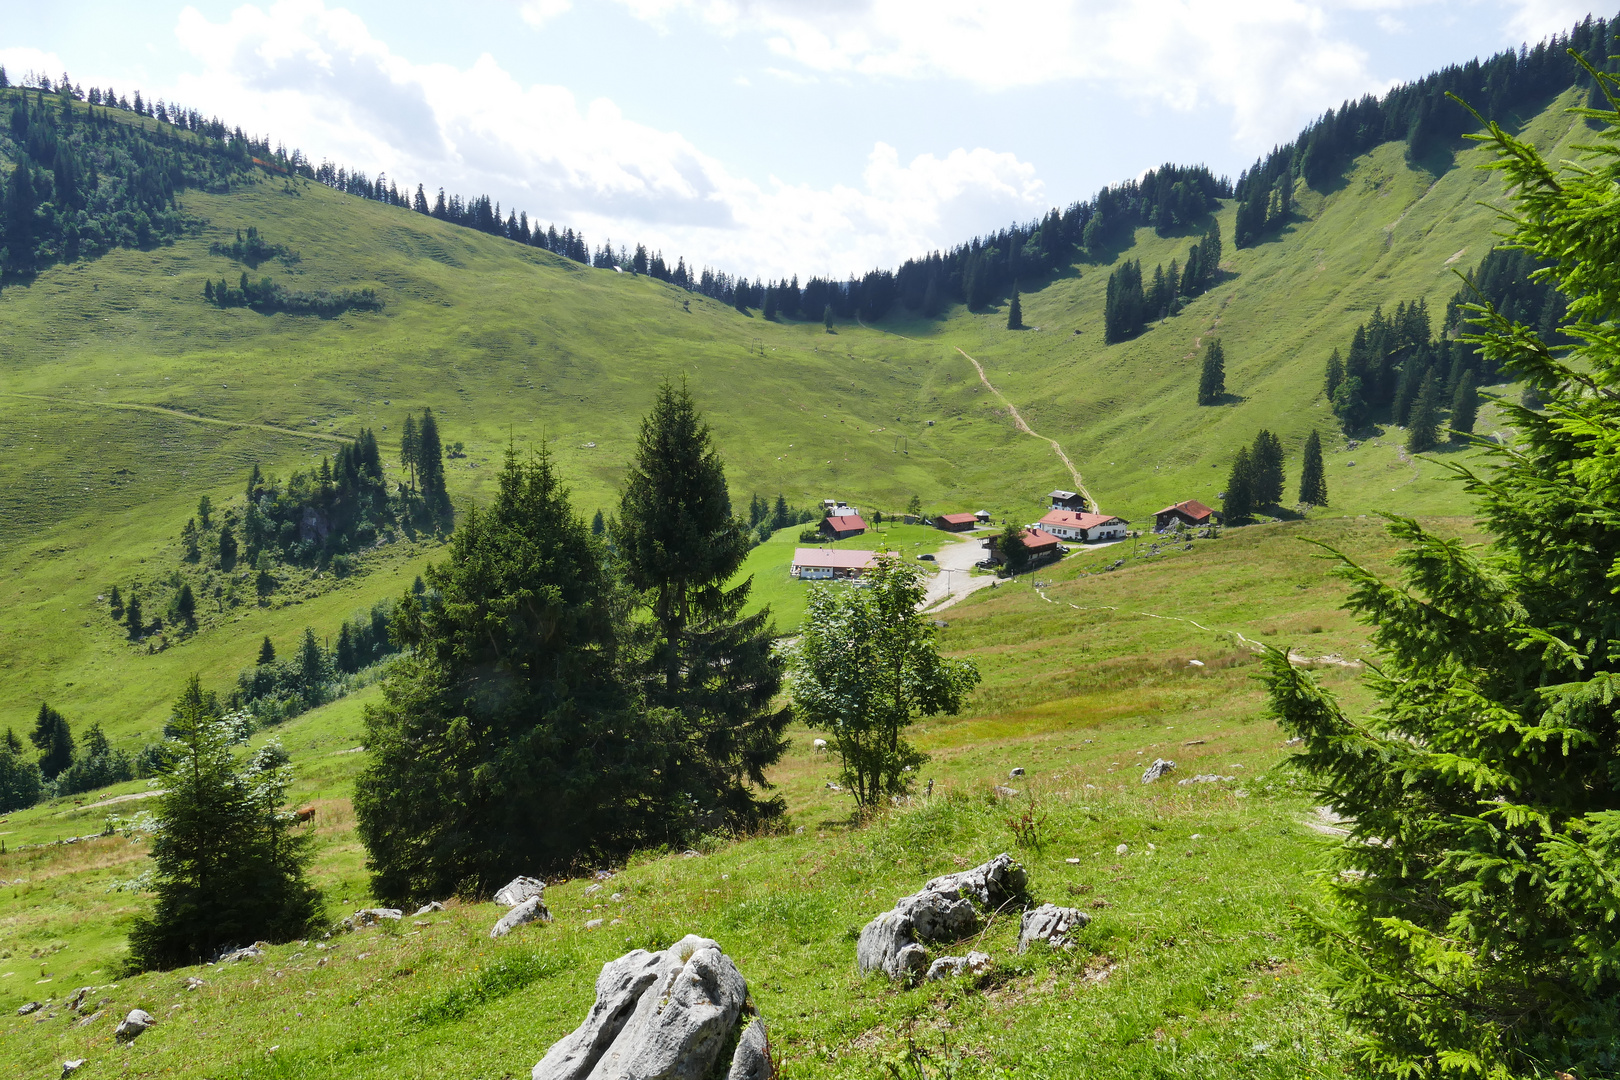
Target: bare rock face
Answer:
pixel 130 1027
pixel 1051 924
pixel 662 1016
pixel 530 910
pixel 945 909
pixel 519 889
pixel 946 966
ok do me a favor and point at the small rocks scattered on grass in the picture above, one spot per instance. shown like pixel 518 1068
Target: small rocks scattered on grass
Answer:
pixel 595 924
pixel 1205 778
pixel 86 1021
pixel 663 1014
pixel 531 910
pixel 132 1026
pixel 1019 771
pixel 946 966
pixel 1051 924
pixel 519 889
pixel 193 983
pixel 1195 742
pixel 373 915
pixel 943 910
pixel 1158 769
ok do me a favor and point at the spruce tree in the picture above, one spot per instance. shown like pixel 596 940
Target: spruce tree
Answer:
pixel 205 511
pixel 598 525
pixel 1266 460
pixel 1312 477
pixel 430 470
pixel 1237 504
pixel 699 656
pixel 227 548
pixel 53 738
pixel 1212 378
pixel 1471 925
pixel 409 447
pixel 132 616
pixel 188 541
pixel 1422 429
pixel 506 742
pixel 1334 376
pixel 827 318
pixel 267 652
pixel 312 668
pixel 229 868
pixel 185 604
pixel 1015 312
pixel 1464 407
pixel 20 779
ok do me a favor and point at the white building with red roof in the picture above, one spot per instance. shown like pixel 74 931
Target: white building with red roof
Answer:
pixel 1083 527
pixel 822 564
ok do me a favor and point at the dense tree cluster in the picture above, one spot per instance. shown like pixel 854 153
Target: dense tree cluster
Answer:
pixel 565 700
pixel 314 673
pixel 1257 480
pixel 1131 300
pixel 253 249
pixel 1422 115
pixel 267 296
pixel 82 183
pixel 1395 367
pixel 1504 278
pixel 765 517
pixel 64 765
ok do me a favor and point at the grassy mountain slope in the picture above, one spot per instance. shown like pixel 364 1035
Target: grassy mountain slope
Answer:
pixel 1193 966
pixel 123 397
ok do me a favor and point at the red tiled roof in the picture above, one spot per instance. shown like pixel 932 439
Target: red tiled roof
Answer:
pixel 1038 538
pixel 834 558
pixel 1072 520
pixel 1192 508
pixel 847 523
pixel 958 519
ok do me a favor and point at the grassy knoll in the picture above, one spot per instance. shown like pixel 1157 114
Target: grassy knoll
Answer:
pixel 1192 967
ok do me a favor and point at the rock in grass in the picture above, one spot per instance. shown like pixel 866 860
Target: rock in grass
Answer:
pixel 370 915
pixel 32 1006
pixel 530 910
pixel 946 966
pixel 945 909
pixel 130 1027
pixel 1158 769
pixel 660 1016
pixel 519 889
pixel 752 1061
pixel 71 1066
pixel 1051 924
pixel 427 909
pixel 1205 778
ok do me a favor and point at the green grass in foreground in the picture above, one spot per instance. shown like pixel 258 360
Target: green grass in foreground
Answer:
pixel 1191 968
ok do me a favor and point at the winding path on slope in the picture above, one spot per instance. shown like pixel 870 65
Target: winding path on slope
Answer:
pixel 179 415
pixel 1018 422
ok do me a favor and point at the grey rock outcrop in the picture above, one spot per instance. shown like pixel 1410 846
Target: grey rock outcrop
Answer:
pixel 71 1066
pixel 752 1061
pixel 31 1007
pixel 1159 768
pixel 519 889
pixel 530 910
pixel 661 1016
pixel 427 909
pixel 945 909
pixel 946 966
pixel 1051 924
pixel 130 1027
pixel 367 916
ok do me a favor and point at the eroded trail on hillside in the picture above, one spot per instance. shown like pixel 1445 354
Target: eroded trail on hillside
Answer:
pixel 1021 425
pixel 179 415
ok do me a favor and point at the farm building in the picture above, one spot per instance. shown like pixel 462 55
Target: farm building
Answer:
pixel 1041 545
pixel 842 526
pixel 1068 525
pixel 955 522
pixel 982 517
pixel 813 564
pixel 1191 512
pixel 1069 500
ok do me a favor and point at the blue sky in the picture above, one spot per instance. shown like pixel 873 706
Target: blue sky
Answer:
pixel 768 136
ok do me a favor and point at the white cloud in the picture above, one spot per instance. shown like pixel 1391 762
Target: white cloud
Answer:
pixel 539 12
pixel 23 63
pixel 318 78
pixel 1273 64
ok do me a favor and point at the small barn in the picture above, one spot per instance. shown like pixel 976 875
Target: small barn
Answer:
pixel 1041 545
pixel 982 517
pixel 955 522
pixel 1069 500
pixel 1191 512
pixel 1086 528
pixel 843 526
pixel 822 564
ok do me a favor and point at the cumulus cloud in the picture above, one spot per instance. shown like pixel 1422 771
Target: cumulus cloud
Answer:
pixel 539 12
pixel 1272 64
pixel 318 78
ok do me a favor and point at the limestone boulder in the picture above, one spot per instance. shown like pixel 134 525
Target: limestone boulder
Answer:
pixel 945 909
pixel 519 889
pixel 1051 924
pixel 132 1026
pixel 530 910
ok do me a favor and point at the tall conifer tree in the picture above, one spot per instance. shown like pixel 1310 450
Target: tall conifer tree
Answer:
pixel 1212 377
pixel 1464 406
pixel 1015 312
pixel 1237 505
pixel 1312 477
pixel 700 657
